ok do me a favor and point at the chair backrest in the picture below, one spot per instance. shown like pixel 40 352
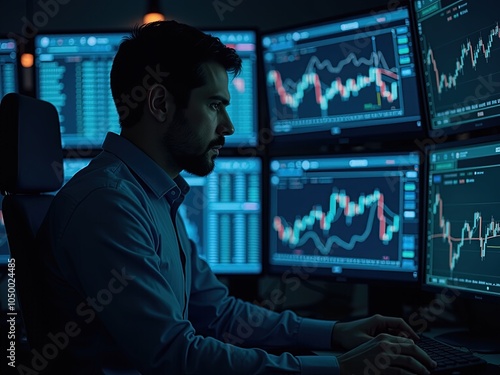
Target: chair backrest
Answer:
pixel 30 167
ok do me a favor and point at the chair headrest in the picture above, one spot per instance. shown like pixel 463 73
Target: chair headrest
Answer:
pixel 30 146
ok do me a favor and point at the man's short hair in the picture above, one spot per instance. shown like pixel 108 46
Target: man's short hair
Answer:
pixel 165 52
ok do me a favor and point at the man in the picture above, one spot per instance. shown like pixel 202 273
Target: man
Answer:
pixel 119 261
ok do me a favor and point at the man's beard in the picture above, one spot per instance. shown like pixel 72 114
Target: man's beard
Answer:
pixel 179 141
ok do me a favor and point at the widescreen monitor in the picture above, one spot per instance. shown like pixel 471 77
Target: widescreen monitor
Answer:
pixel 346 217
pixel 8 66
pixel 223 215
pixel 349 78
pixel 461 251
pixel 459 44
pixel 72 72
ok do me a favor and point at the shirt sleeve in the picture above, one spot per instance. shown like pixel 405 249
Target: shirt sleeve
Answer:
pixel 106 250
pixel 214 313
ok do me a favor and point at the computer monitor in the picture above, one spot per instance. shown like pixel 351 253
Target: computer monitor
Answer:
pixel 222 215
pixel 458 40
pixel 346 217
pixel 72 73
pixel 345 79
pixel 461 251
pixel 243 89
pixel 8 66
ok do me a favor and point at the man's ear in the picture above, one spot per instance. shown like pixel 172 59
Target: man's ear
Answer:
pixel 159 102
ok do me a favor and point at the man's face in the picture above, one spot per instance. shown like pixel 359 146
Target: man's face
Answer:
pixel 196 133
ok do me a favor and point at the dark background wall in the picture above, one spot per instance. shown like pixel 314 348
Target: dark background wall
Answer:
pixel 82 15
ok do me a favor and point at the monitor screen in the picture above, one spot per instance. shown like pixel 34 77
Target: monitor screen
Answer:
pixel 463 218
pixel 222 215
pixel 458 40
pixel 8 67
pixel 346 217
pixel 72 73
pixel 243 88
pixel 351 77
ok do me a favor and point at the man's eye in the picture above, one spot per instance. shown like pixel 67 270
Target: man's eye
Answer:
pixel 216 106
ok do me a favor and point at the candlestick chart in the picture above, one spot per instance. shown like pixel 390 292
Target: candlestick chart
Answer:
pixel 360 219
pixel 329 80
pixel 464 224
pixel 454 69
pixel 460 48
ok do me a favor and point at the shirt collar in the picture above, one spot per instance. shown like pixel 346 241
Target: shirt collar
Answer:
pixel 146 168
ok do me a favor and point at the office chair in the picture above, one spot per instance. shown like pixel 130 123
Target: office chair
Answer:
pixel 30 167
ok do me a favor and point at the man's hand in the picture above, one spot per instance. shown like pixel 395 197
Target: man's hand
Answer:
pixel 351 334
pixel 382 344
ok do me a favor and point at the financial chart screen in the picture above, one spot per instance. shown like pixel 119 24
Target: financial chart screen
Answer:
pixel 72 73
pixel 222 215
pixel 8 66
pixel 346 217
pixel 459 44
pixel 243 88
pixel 463 212
pixel 337 77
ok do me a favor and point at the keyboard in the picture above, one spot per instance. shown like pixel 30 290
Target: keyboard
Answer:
pixel 450 360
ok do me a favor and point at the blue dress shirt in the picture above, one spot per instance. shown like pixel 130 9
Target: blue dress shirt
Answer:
pixel 132 293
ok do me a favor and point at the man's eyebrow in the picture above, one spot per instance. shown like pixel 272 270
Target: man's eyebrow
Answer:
pixel 220 98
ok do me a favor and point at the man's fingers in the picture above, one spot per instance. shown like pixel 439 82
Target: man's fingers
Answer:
pixel 399 327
